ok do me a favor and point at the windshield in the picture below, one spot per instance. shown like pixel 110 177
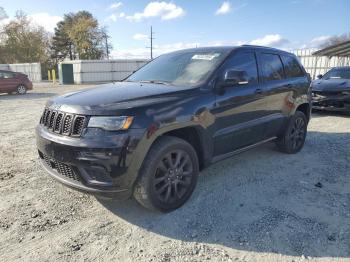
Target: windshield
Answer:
pixel 180 68
pixel 338 74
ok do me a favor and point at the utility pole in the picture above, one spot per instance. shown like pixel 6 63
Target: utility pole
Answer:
pixel 151 43
pixel 107 47
pixel 151 38
pixel 105 38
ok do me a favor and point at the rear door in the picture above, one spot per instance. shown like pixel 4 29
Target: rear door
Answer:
pixel 3 86
pixel 240 108
pixel 277 89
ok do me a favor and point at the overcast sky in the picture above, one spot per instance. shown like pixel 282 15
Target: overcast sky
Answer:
pixel 287 24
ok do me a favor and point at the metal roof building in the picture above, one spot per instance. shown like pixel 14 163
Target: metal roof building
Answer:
pixel 340 50
pixel 318 62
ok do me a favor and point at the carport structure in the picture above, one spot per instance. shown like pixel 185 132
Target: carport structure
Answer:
pixel 341 51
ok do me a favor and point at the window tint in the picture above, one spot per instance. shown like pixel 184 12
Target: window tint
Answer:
pixel 338 74
pixel 291 67
pixel 272 68
pixel 244 62
pixel 6 75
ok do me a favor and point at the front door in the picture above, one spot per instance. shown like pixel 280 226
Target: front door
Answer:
pixel 8 82
pixel 240 109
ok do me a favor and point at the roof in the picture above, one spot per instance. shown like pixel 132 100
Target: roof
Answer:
pixel 230 48
pixel 341 49
pixel 207 49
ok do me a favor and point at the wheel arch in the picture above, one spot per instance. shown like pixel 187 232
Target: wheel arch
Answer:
pixel 193 136
pixel 306 109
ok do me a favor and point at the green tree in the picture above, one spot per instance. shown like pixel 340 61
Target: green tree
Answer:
pixel 62 46
pixel 79 36
pixel 86 36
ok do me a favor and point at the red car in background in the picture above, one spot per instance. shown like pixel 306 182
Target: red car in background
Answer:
pixel 11 82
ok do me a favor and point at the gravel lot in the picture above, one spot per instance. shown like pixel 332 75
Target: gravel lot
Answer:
pixel 260 205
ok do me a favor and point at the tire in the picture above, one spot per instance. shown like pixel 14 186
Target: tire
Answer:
pixel 21 90
pixel 293 139
pixel 168 175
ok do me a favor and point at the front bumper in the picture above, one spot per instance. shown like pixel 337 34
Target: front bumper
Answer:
pixel 98 163
pixel 331 102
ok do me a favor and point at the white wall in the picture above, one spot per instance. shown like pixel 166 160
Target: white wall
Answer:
pixel 89 71
pixel 319 65
pixel 32 70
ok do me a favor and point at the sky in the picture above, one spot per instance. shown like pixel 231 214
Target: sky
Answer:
pixel 178 24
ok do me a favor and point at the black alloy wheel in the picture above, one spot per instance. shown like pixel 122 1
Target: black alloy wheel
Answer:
pixel 293 138
pixel 173 176
pixel 168 175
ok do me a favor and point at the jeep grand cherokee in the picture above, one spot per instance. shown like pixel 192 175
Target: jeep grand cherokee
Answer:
pixel 150 135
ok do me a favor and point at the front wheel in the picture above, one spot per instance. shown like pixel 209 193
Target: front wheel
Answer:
pixel 21 90
pixel 168 175
pixel 293 138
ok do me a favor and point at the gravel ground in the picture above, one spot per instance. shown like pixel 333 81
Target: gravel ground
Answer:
pixel 260 205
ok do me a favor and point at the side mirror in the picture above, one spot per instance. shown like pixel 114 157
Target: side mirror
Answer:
pixel 235 77
pixel 319 76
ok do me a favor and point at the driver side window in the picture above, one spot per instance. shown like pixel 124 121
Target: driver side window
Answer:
pixel 243 62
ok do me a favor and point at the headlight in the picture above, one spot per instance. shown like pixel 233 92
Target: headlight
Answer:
pixel 111 123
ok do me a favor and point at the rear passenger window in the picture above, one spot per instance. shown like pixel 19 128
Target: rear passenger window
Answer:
pixel 244 62
pixel 291 67
pixel 7 75
pixel 272 68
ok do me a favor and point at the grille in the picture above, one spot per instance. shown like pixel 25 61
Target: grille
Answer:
pixel 61 168
pixel 67 124
pixel 52 119
pixel 61 123
pixel 78 125
pixel 58 123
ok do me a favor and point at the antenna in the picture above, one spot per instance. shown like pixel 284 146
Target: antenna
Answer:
pixel 151 38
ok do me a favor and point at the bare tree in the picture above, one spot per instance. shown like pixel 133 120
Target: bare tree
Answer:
pixel 3 14
pixel 336 40
pixel 23 42
pixel 106 42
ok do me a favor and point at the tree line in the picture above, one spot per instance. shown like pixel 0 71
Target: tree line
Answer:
pixel 77 36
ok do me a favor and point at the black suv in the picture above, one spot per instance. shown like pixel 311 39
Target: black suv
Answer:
pixel 151 134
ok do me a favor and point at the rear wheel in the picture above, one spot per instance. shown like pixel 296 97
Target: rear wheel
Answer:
pixel 168 176
pixel 293 139
pixel 21 90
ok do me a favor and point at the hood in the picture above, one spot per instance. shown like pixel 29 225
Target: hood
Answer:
pixel 117 96
pixel 331 85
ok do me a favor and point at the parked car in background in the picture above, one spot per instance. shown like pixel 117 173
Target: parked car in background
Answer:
pixel 149 135
pixel 332 91
pixel 14 82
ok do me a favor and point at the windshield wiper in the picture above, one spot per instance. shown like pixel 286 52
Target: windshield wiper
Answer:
pixel 155 82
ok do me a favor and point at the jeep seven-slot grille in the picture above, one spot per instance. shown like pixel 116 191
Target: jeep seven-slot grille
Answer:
pixel 61 168
pixel 61 123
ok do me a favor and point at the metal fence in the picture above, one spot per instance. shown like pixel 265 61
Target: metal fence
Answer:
pixel 32 70
pixel 89 71
pixel 319 65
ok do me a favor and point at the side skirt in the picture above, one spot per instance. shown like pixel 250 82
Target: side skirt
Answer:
pixel 243 149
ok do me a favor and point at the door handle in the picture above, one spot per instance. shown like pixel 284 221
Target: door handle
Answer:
pixel 289 85
pixel 258 91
